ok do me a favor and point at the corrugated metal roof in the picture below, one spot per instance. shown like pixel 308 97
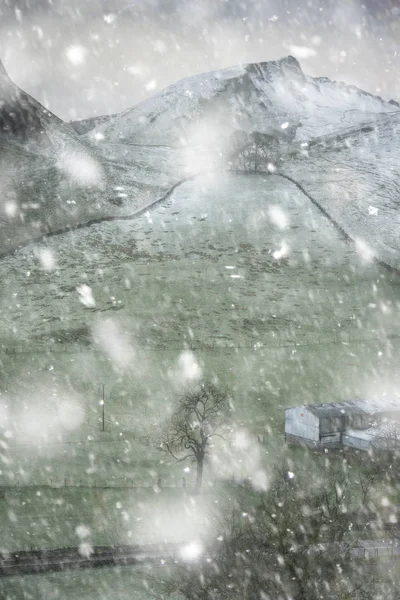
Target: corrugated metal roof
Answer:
pixel 367 435
pixel 388 432
pixel 354 407
pixel 333 409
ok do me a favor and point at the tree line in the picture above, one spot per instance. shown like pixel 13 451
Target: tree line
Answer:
pixel 255 151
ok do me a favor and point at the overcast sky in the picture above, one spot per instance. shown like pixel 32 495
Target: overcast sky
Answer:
pixel 86 57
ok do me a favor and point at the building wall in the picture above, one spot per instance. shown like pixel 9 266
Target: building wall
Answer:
pixel 361 421
pixel 329 425
pixel 302 415
pixel 354 442
pixel 302 426
pixel 302 441
pixel 333 439
pixel 301 423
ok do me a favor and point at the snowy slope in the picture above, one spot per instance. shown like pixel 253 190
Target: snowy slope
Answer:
pixel 206 108
pixel 355 178
pixel 51 179
pixel 23 120
pixel 351 166
pixel 128 162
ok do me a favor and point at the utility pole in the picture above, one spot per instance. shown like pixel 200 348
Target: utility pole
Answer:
pixel 103 405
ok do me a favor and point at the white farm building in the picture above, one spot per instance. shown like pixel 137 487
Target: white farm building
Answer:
pixel 360 424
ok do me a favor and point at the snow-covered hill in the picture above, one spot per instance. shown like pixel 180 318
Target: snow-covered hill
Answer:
pixel 23 120
pixel 49 178
pixel 355 177
pixel 269 97
pixel 350 167
pixel 345 153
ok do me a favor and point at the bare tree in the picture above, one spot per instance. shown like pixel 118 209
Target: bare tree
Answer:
pixel 199 417
pixel 384 459
pixel 259 152
pixel 388 440
pixel 253 152
pixel 238 141
pixel 276 544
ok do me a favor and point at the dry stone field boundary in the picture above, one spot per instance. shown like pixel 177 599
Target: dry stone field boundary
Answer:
pixel 284 340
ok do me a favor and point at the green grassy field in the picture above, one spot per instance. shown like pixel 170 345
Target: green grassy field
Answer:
pixel 124 583
pixel 297 317
pixel 44 517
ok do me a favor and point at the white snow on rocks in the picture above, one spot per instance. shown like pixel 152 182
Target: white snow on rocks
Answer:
pixel 258 97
